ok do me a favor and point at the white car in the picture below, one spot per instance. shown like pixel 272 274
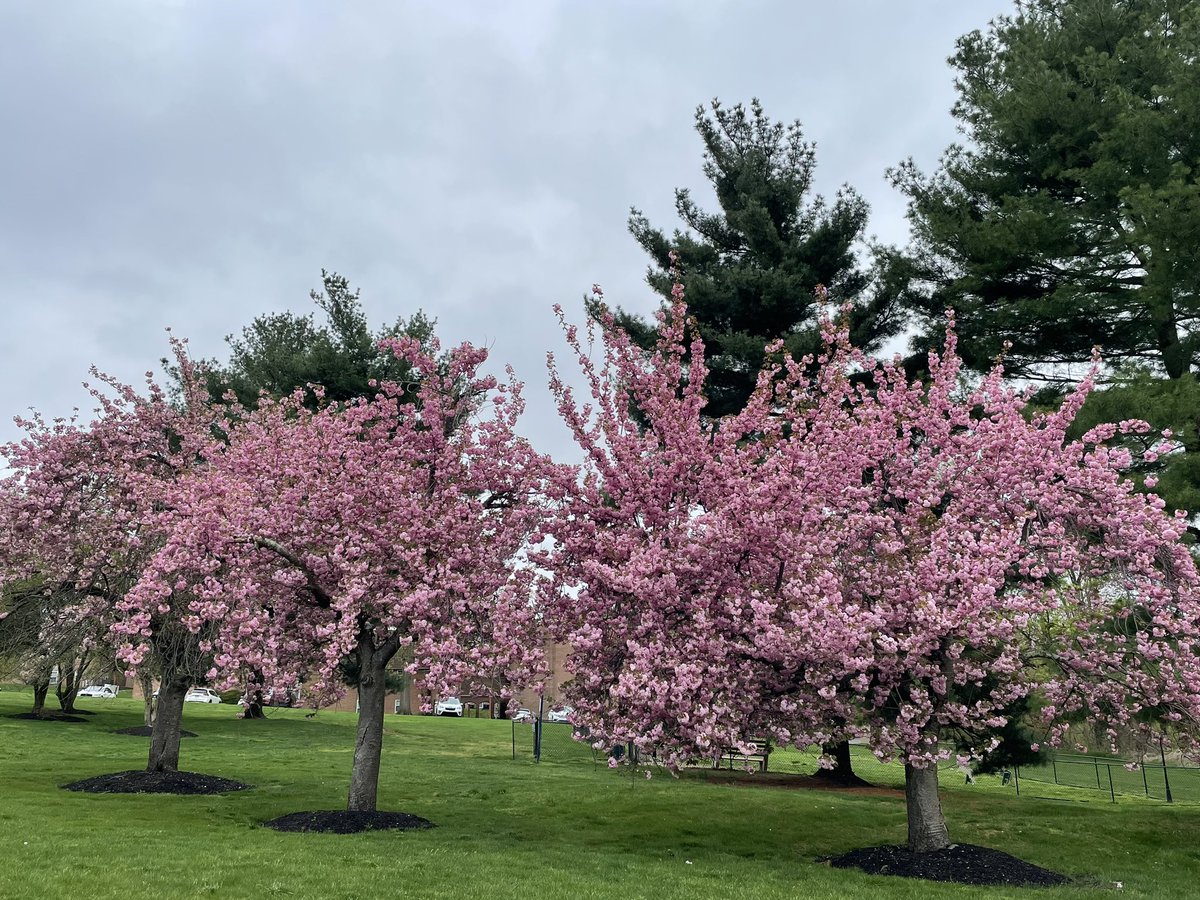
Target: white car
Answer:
pixel 523 715
pixel 201 695
pixel 104 691
pixel 448 706
pixel 560 714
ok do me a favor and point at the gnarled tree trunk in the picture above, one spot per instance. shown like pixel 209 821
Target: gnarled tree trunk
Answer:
pixel 168 719
pixel 368 746
pixel 926 824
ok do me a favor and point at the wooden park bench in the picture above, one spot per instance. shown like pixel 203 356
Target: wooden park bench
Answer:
pixel 760 751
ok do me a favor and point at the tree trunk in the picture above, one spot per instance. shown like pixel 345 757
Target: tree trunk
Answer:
pixel 41 688
pixel 164 733
pixel 372 689
pixel 843 770
pixel 66 698
pixel 254 707
pixel 926 824
pixel 70 681
pixel 1175 357
pixel 147 684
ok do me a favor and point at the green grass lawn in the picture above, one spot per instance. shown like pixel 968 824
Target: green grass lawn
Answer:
pixel 505 828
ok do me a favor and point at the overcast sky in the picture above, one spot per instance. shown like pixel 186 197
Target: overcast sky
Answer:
pixel 194 164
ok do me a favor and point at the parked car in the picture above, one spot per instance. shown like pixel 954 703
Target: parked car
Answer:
pixel 448 706
pixel 523 715
pixel 560 714
pixel 201 695
pixel 104 691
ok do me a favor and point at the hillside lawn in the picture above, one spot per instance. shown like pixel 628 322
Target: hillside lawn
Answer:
pixel 509 829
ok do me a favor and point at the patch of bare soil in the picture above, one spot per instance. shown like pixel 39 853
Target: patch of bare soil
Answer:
pixel 832 776
pixel 341 821
pixel 958 863
pixel 145 731
pixel 48 717
pixel 139 781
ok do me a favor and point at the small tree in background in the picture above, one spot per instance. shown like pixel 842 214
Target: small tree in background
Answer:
pixel 81 512
pixel 280 353
pixel 754 265
pixel 43 630
pixel 340 359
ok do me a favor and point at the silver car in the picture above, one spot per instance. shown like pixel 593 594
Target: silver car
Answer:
pixel 104 691
pixel 202 695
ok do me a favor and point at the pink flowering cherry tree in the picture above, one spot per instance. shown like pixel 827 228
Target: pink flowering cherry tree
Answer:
pixel 360 531
pixel 82 512
pixel 973 556
pixel 856 556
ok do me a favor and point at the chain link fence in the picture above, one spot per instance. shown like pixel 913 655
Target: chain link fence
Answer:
pixel 546 741
pixel 560 742
pixel 1116 777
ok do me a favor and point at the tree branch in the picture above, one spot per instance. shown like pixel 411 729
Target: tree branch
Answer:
pixel 320 595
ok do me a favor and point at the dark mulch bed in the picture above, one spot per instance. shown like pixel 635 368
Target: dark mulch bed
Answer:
pixel 144 731
pixel 139 781
pixel 341 821
pixel 828 776
pixel 48 717
pixel 959 863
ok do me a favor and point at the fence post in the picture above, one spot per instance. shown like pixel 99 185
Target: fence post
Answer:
pixel 1017 779
pixel 1111 790
pixel 537 731
pixel 1166 780
pixel 1097 762
pixel 1054 768
pixel 1145 783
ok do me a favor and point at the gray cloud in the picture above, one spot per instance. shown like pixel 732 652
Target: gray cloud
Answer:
pixel 193 164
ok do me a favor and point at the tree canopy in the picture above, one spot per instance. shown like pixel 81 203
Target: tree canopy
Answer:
pixel 1070 217
pixel 279 352
pixel 318 541
pixel 895 561
pixel 753 266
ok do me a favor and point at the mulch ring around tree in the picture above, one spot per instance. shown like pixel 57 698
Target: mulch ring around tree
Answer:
pixel 341 821
pixel 958 863
pixel 48 717
pixel 139 781
pixel 145 731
